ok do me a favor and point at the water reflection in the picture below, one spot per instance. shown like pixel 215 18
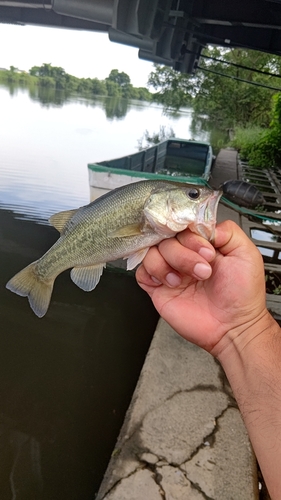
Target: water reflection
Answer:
pixel 259 234
pixel 202 126
pixel 116 107
pixel 48 96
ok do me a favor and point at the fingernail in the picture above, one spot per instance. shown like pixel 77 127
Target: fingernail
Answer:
pixel 156 280
pixel 173 279
pixel 206 253
pixel 202 271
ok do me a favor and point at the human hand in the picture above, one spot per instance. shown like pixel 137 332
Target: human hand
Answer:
pixel 205 292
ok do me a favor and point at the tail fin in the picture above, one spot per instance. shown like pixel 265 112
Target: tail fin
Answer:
pixel 27 284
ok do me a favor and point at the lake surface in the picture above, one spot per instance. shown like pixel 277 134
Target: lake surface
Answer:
pixel 66 380
pixel 45 146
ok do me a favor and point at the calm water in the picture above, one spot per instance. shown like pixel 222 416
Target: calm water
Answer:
pixel 45 146
pixel 65 380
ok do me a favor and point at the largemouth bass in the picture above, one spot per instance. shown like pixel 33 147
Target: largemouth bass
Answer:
pixel 123 223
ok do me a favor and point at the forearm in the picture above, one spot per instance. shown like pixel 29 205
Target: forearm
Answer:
pixel 252 363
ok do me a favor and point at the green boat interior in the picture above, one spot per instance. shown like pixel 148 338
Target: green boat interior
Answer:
pixel 172 156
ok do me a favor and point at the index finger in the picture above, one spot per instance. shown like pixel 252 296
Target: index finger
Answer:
pixel 197 243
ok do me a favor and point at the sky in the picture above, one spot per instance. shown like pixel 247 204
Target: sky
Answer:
pixel 80 53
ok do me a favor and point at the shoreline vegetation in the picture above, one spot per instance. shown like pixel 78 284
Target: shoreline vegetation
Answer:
pixel 261 147
pixel 117 84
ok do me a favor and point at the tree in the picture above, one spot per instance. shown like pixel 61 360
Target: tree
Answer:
pixel 143 94
pixel 45 69
pixel 121 78
pixel 47 81
pixel 122 81
pixel 34 71
pixel 224 99
pixel 228 100
pixel 98 87
pixel 113 89
pixel 175 90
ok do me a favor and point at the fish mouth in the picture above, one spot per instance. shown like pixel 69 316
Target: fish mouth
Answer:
pixel 207 220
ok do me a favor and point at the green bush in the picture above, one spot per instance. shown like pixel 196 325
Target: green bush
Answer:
pixel 267 151
pixel 245 139
pixel 261 147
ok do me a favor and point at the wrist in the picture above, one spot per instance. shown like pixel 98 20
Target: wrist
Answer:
pixel 250 357
pixel 248 337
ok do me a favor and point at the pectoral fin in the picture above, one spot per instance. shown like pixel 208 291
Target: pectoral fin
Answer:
pixel 87 277
pixel 123 232
pixel 60 219
pixel 136 258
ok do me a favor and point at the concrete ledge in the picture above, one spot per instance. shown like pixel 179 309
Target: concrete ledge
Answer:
pixel 183 436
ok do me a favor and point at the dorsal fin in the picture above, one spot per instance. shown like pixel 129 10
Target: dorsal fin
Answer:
pixel 60 219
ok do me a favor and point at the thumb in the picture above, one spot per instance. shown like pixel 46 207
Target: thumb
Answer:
pixel 230 239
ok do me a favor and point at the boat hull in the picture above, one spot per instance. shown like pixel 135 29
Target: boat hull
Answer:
pixel 177 159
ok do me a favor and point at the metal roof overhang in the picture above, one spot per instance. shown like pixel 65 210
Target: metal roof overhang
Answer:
pixel 172 32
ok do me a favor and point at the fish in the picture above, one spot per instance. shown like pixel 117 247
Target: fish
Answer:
pixel 123 223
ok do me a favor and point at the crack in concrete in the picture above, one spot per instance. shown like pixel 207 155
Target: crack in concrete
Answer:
pixel 197 487
pixel 199 387
pixel 119 481
pixel 152 467
pixel 209 437
pixel 157 478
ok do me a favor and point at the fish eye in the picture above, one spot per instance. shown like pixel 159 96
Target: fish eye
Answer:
pixel 193 193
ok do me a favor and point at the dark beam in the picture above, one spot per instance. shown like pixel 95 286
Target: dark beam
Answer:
pixel 266 40
pixel 161 28
pixel 48 18
pixel 229 12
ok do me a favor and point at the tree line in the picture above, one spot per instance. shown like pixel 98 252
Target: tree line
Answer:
pixel 117 84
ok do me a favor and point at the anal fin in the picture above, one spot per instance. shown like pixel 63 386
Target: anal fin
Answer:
pixel 87 277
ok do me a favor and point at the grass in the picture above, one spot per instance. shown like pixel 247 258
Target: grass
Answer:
pixel 245 139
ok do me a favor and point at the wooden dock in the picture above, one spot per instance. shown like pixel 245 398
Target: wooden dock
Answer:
pixel 264 234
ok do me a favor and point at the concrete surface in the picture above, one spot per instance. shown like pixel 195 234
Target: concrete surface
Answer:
pixel 183 437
